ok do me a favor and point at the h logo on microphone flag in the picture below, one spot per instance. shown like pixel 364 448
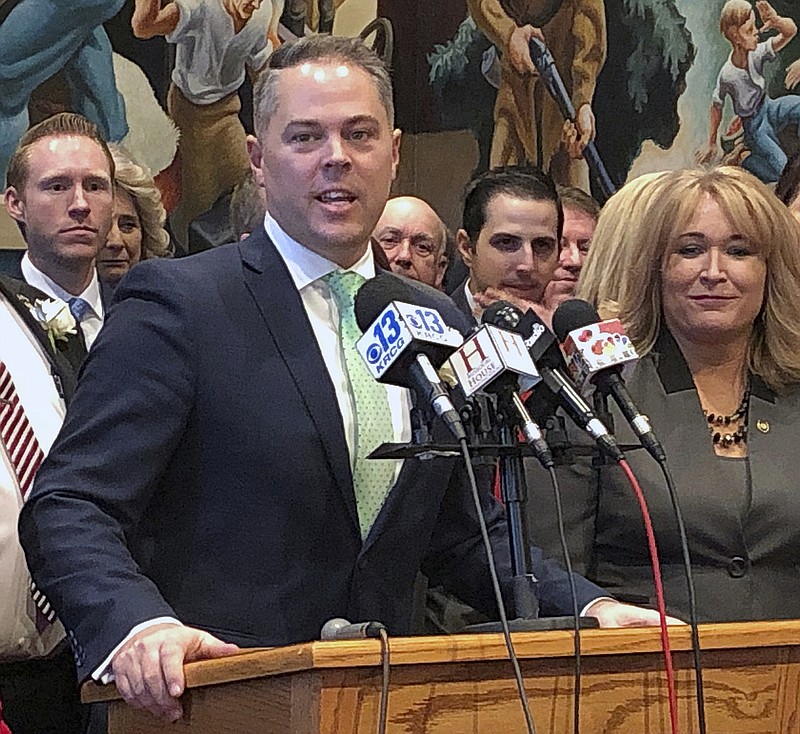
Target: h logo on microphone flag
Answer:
pixel 489 352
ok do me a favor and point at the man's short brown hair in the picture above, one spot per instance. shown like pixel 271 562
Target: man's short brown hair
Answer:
pixel 61 125
pixel 572 197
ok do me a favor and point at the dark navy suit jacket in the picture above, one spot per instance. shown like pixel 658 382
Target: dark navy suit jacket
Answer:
pixel 203 473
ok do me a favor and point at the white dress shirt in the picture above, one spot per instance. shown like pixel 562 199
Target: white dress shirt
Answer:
pixel 477 310
pixel 93 321
pixel 44 408
pixel 307 269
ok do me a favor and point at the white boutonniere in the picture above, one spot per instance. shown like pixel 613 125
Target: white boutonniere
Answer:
pixel 53 316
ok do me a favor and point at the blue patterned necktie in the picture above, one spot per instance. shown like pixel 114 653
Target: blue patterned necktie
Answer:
pixel 372 479
pixel 79 308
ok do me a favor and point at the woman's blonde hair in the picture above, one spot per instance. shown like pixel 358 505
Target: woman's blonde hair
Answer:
pixel 755 212
pixel 622 223
pixel 137 181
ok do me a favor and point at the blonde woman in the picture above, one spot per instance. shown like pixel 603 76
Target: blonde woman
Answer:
pixel 622 222
pixel 707 287
pixel 137 227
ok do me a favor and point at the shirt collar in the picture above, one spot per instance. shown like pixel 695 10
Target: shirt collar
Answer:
pixel 476 310
pixel 38 279
pixel 306 267
pixel 675 374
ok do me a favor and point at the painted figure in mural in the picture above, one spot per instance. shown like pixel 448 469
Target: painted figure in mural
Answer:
pixel 40 38
pixel 216 44
pixel 295 13
pixel 528 125
pixel 742 79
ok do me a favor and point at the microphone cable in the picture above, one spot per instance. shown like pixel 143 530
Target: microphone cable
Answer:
pixel 384 700
pixel 662 611
pixel 576 704
pixel 501 607
pixel 687 567
pixel 340 629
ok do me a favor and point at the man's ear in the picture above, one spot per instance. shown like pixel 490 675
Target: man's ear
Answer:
pixel 465 247
pixel 397 136
pixel 14 204
pixel 441 269
pixel 254 153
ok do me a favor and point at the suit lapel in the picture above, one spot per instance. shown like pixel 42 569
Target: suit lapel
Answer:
pixel 281 307
pixel 460 299
pixel 62 366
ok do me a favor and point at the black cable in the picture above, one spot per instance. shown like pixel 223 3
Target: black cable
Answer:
pixel 576 704
pixel 687 567
pixel 501 607
pixel 384 702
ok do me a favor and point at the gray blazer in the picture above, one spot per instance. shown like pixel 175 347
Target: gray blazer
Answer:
pixel 742 516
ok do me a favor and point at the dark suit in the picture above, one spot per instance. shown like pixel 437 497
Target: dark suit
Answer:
pixel 226 470
pixel 40 696
pixel 745 545
pixel 65 360
pixel 459 297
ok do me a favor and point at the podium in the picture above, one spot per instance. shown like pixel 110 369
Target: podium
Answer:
pixel 464 684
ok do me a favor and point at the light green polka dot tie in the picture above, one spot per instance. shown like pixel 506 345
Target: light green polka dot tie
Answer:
pixel 372 479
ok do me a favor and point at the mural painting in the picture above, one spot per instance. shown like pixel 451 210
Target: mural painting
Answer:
pixel 651 85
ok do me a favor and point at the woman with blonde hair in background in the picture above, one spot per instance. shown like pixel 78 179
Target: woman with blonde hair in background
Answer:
pixel 137 227
pixel 706 285
pixel 623 221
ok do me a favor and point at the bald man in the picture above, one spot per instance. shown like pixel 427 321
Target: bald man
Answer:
pixel 414 239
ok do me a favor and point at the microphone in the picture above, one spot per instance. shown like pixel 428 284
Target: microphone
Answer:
pixel 341 629
pixel 404 339
pixel 495 359
pixel 547 357
pixel 596 351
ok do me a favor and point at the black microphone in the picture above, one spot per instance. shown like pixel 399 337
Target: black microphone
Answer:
pixel 341 629
pixel 604 370
pixel 549 361
pixel 406 339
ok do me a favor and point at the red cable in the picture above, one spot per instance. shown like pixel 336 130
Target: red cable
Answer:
pixel 662 610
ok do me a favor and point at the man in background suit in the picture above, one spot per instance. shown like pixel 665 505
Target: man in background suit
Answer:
pixel 60 193
pixel 38 366
pixel 509 236
pixel 230 455
pixel 414 239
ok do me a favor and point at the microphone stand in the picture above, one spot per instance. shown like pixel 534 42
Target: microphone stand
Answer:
pixel 600 405
pixel 514 493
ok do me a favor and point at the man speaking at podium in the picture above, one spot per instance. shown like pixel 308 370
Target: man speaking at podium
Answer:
pixel 210 484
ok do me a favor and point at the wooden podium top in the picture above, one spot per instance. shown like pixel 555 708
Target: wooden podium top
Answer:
pixel 261 662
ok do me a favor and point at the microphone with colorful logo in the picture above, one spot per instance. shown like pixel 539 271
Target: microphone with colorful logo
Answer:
pixel 595 352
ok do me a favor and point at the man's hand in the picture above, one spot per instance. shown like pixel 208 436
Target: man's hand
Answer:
pixel 519 51
pixel 793 74
pixel 491 295
pixel 768 16
pixel 576 136
pixel 149 668
pixel 612 613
